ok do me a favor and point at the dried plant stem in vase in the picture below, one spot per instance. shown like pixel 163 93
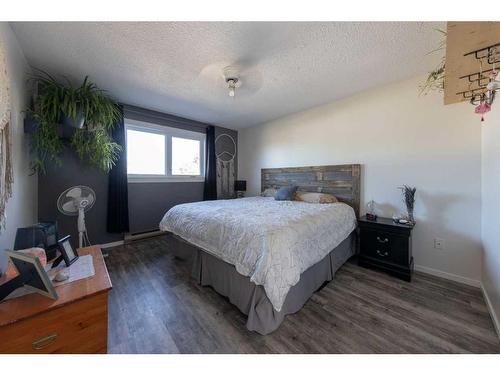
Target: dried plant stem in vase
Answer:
pixel 409 200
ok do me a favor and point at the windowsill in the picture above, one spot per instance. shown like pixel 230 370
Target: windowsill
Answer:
pixel 138 180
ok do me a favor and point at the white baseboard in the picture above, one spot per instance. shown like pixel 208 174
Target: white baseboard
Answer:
pixel 111 244
pixel 448 276
pixel 141 236
pixel 467 281
pixel 132 237
pixel 493 314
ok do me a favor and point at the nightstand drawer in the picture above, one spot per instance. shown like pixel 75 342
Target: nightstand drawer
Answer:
pixel 376 244
pixel 385 246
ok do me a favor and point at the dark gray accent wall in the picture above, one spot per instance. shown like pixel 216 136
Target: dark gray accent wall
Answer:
pixel 148 202
pixel 73 172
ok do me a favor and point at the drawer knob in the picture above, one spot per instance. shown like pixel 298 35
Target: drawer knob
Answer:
pixel 382 240
pixel 382 254
pixel 44 341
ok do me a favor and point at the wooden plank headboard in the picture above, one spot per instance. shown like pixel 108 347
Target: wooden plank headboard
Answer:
pixel 343 181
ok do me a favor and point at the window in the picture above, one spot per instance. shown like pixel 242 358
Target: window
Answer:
pixel 158 153
pixel 185 157
pixel 145 153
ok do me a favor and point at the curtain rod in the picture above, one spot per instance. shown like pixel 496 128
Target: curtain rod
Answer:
pixel 163 116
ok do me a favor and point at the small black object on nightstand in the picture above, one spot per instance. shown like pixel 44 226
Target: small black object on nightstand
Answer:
pixel 240 186
pixel 386 245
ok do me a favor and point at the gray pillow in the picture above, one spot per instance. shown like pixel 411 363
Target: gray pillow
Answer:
pixel 285 193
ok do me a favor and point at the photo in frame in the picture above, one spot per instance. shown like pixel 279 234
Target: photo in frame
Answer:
pixel 68 254
pixel 32 276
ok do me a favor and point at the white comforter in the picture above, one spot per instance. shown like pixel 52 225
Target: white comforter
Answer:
pixel 270 241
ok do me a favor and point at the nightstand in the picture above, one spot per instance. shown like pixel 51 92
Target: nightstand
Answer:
pixel 386 246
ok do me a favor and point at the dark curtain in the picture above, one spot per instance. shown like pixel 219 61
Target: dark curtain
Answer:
pixel 210 188
pixel 118 186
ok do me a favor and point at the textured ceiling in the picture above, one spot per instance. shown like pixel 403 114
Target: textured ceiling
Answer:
pixel 285 67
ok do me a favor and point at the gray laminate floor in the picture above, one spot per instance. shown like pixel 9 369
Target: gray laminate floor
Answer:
pixel 156 308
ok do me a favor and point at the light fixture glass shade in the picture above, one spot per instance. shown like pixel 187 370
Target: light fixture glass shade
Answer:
pixel 231 85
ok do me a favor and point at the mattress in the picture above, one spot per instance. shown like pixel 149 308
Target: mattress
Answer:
pixel 271 242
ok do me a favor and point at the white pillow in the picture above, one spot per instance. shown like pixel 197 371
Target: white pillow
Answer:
pixel 315 197
pixel 268 192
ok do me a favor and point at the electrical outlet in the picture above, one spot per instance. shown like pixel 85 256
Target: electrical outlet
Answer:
pixel 438 243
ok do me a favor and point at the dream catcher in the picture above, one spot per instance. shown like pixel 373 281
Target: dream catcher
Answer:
pixel 5 146
pixel 225 164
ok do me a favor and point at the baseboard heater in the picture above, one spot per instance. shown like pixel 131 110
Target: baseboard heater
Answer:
pixel 131 237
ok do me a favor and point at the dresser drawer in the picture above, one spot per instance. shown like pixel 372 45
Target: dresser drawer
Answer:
pixel 78 327
pixel 385 246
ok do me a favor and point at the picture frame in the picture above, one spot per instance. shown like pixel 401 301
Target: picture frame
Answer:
pixel 68 254
pixel 32 275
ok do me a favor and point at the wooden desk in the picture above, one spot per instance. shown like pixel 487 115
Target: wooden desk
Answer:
pixel 77 322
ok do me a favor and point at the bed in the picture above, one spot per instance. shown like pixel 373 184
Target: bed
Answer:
pixel 268 257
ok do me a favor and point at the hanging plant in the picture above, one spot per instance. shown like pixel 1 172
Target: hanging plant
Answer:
pixel 86 108
pixel 435 78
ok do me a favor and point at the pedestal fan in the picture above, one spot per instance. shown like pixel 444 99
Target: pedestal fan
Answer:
pixel 75 201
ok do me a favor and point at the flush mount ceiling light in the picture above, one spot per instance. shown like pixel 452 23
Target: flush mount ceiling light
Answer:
pixel 239 79
pixel 231 85
pixel 232 80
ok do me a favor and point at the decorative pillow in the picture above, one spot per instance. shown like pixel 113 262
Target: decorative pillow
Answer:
pixel 268 192
pixel 315 197
pixel 285 193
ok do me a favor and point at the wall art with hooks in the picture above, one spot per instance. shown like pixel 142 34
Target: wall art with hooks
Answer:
pixel 471 62
pixel 482 84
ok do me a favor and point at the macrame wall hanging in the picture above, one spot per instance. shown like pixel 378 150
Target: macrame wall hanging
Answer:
pixel 225 165
pixel 6 178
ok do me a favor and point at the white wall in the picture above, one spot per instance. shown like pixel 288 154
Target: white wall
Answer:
pixel 490 210
pixel 399 138
pixel 21 208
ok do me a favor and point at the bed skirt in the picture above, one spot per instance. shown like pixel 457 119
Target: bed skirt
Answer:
pixel 251 299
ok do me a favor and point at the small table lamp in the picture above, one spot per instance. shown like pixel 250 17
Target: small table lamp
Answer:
pixel 240 186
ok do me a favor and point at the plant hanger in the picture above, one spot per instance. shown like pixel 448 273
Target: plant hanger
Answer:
pixel 86 108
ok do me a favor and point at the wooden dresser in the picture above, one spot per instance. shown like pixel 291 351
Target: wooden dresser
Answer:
pixel 77 322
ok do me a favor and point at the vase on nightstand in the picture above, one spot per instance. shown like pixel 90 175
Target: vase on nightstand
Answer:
pixel 411 219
